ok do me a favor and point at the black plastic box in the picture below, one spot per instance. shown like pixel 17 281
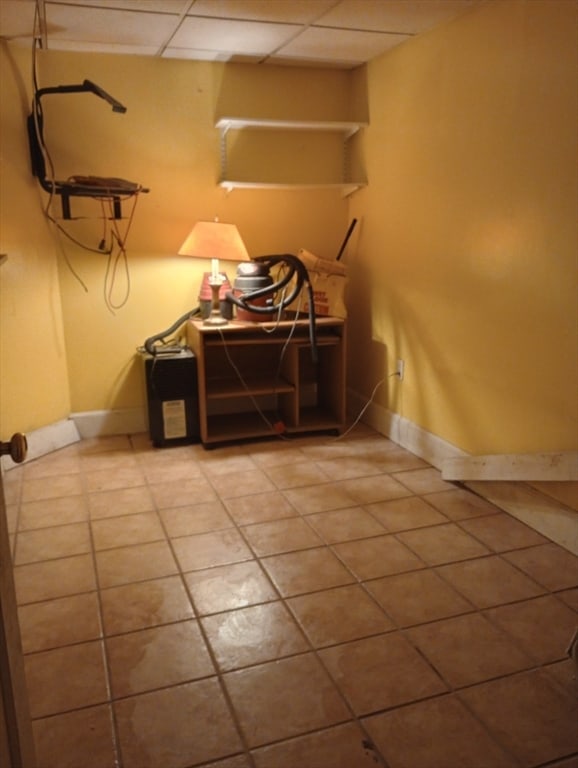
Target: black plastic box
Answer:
pixel 172 397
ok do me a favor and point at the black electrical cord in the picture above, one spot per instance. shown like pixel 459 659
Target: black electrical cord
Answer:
pixel 150 342
pixel 295 267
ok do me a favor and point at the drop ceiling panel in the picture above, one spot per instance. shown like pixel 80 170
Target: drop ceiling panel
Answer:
pixel 151 6
pixel 126 48
pixel 245 37
pixel 16 19
pixel 196 54
pixel 330 33
pixel 100 25
pixel 409 16
pixel 289 11
pixel 339 44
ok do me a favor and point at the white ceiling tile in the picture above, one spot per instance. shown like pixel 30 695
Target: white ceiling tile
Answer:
pixel 194 54
pixel 306 61
pixel 97 25
pixel 340 44
pixel 133 50
pixel 16 18
pixel 251 37
pixel 293 11
pixel 410 16
pixel 152 6
pixel 340 33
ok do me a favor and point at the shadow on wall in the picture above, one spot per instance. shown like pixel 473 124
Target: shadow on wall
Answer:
pixel 367 357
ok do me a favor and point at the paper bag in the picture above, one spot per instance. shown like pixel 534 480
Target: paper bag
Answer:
pixel 328 281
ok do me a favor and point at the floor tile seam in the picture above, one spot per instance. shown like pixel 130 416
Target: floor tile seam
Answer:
pixel 532 598
pixel 209 477
pixel 477 537
pixel 453 524
pixel 55 597
pixel 366 585
pixel 516 642
pixel 270 581
pixel 530 663
pixel 496 736
pixel 459 559
pixel 241 529
pixel 73 710
pixel 325 729
pixel 299 513
pixel 450 694
pixel 362 506
pixel 366 591
pixel 348 706
pixel 222 672
pixel 281 468
pixel 22 505
pixel 335 686
pixel 223 688
pixel 181 572
pixel 51 559
pixel 425 497
pixel 211 652
pixel 438 570
pixel 354 577
pixel 116 698
pixel 553 680
pixel 318 647
pixel 149 627
pixel 551 590
pixel 234 526
pixel 107 462
pixel 405 530
pixel 156 540
pixel 405 486
pixel 124 486
pixel 424 565
pixel 105 653
pixel 67 646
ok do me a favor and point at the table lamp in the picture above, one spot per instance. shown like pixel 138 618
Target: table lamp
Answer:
pixel 217 241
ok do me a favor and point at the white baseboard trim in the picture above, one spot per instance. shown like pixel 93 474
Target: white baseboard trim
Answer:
pixel 542 513
pixel 46 440
pixel 122 421
pixel 545 515
pixel 405 433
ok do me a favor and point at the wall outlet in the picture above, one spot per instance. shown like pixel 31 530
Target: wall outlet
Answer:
pixel 400 369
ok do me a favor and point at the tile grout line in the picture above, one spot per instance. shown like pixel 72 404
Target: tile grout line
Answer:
pixel 217 671
pixel 107 667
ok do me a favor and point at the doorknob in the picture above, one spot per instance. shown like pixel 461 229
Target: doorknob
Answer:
pixel 16 448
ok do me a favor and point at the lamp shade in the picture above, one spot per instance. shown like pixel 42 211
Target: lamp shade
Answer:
pixel 214 240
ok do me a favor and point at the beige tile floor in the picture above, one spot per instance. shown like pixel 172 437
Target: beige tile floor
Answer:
pixel 317 603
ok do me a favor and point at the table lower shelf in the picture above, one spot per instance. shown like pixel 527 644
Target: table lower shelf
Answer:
pixel 238 426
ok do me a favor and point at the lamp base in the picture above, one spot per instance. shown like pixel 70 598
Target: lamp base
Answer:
pixel 215 318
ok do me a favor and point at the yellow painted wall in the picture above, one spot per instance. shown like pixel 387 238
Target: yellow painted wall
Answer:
pixel 465 263
pixel 34 388
pixel 168 142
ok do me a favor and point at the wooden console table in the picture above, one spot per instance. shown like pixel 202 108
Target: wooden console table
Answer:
pixel 259 379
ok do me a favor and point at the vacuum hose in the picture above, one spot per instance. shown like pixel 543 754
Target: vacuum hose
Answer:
pixel 294 267
pixel 149 343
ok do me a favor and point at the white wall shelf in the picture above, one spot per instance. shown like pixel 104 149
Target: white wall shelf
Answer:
pixel 346 129
pixel 346 188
